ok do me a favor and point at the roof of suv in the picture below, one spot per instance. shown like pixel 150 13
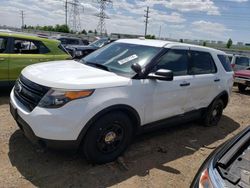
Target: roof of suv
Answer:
pixel 162 43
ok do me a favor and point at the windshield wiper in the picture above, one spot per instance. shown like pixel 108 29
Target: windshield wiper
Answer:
pixel 97 65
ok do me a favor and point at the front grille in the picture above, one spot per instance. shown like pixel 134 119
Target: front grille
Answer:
pixel 29 93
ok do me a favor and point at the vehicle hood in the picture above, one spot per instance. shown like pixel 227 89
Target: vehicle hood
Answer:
pixel 71 74
pixel 244 73
pixel 81 47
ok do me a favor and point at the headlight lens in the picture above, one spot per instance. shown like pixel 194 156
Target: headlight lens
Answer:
pixel 58 98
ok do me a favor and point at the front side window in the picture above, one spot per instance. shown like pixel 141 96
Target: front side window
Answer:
pixel 29 47
pixel 174 60
pixel 118 57
pixel 3 45
pixel 201 63
pixel 243 61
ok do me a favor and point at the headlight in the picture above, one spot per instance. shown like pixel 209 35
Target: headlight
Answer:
pixel 58 98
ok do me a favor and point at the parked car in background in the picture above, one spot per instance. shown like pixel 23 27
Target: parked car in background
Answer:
pixel 240 62
pixel 71 41
pixel 228 166
pixel 20 50
pixel 78 52
pixel 98 104
pixel 242 79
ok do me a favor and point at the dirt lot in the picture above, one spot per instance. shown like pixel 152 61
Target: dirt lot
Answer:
pixel 166 158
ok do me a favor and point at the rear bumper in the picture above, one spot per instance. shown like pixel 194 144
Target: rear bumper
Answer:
pixel 45 143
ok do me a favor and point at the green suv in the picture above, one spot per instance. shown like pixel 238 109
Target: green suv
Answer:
pixel 20 50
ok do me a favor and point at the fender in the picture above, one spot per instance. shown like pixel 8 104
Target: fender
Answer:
pixel 131 112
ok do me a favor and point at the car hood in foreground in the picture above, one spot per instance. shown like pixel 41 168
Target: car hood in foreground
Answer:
pixel 72 75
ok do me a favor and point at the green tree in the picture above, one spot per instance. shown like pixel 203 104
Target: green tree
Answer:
pixel 181 40
pixel 229 43
pixel 150 37
pixel 90 31
pixel 84 32
pixel 204 43
pixel 95 32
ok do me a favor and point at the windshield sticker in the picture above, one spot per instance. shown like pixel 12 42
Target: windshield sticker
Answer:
pixel 127 59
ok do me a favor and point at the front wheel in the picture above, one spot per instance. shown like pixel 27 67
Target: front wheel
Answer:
pixel 107 138
pixel 213 114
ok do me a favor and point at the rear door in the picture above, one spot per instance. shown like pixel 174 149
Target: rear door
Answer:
pixel 26 52
pixel 205 81
pixel 4 59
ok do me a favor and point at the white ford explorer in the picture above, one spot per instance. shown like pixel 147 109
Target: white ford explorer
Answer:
pixel 99 103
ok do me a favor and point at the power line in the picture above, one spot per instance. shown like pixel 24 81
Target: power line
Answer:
pixel 146 21
pixel 102 15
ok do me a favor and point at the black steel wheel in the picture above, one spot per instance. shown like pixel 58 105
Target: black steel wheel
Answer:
pixel 107 138
pixel 213 114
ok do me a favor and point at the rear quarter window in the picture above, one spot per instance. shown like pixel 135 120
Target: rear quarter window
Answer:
pixel 225 63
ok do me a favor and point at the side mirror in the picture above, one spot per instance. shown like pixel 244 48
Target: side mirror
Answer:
pixel 162 74
pixel 136 67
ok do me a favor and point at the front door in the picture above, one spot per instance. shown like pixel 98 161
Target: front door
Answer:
pixel 168 97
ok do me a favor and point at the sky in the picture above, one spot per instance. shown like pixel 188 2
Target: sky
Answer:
pixel 186 19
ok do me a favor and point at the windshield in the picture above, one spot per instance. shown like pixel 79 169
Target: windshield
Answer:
pixel 118 57
pixel 99 43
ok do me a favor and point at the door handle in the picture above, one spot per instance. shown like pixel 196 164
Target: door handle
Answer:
pixel 216 80
pixel 2 59
pixel 184 84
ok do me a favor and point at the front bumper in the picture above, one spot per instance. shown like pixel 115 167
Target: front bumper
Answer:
pixel 46 143
pixel 55 128
pixel 242 81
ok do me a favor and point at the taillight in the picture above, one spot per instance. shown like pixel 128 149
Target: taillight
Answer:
pixel 233 65
pixel 205 181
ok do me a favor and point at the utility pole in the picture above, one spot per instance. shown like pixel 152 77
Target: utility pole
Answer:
pixel 66 13
pixel 146 21
pixel 102 15
pixel 22 16
pixel 160 32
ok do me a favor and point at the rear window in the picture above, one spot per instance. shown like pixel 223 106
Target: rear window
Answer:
pixel 63 49
pixel 243 61
pixel 225 63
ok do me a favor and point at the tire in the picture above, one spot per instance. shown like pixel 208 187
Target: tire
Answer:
pixel 242 87
pixel 107 138
pixel 213 114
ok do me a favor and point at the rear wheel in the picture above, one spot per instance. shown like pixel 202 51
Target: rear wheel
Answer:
pixel 213 114
pixel 242 87
pixel 107 138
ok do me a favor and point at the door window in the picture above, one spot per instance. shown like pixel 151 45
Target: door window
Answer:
pixel 3 45
pixel 243 61
pixel 29 47
pixel 201 63
pixel 174 60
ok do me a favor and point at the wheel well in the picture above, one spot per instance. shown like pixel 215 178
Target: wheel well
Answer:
pixel 224 97
pixel 129 111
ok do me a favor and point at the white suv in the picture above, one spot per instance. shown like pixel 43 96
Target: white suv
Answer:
pixel 129 86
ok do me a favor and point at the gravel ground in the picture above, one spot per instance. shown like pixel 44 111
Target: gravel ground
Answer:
pixel 165 158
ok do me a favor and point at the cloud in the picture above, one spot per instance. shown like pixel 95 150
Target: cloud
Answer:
pixel 211 28
pixel 206 6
